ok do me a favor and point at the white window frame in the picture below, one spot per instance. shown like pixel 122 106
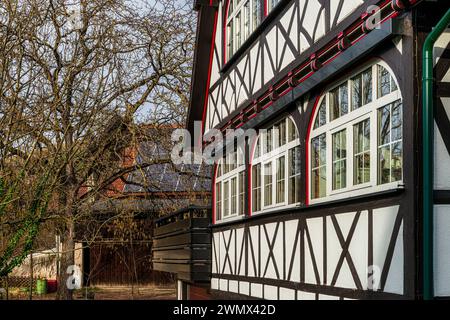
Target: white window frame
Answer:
pixel 353 117
pixel 224 178
pixel 272 157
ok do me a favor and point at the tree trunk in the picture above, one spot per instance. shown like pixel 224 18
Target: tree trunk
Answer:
pixel 66 277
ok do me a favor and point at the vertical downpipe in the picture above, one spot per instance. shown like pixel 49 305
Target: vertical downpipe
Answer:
pixel 428 154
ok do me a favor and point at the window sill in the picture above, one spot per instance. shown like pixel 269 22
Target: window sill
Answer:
pixel 230 219
pixel 357 192
pixel 276 208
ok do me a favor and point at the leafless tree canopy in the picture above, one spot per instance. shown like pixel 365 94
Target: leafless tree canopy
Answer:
pixel 76 79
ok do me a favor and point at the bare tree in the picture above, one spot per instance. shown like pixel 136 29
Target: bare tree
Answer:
pixel 75 79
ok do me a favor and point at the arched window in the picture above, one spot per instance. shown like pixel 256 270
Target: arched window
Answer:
pixel 276 167
pixel 243 17
pixel 355 145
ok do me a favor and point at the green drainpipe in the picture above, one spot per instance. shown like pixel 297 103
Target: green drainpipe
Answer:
pixel 428 154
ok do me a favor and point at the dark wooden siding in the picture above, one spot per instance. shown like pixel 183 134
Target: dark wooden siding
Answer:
pixel 182 244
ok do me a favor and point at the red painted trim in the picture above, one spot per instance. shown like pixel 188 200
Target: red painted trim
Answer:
pixel 214 217
pixel 307 148
pixel 266 8
pixel 208 82
pixel 267 105
pixel 306 77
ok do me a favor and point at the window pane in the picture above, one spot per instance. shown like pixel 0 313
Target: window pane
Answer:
pixel 225 166
pixel 397 121
pixel 390 153
pixel 321 118
pixel 268 184
pixel 315 184
pixel 384 82
pixel 234 196
pixel 315 159
pixel 247 24
pixel 344 99
pixel 280 173
pixel 269 140
pixel 294 189
pixel 218 201
pixel 323 149
pixel 323 182
pixel 256 184
pixel 280 134
pixel 257 152
pixel 339 102
pixel 230 38
pixel 294 162
pixel 362 136
pixel 394 86
pixel 384 164
pixel 226 200
pixel 318 164
pixel 319 151
pixel 257 13
pixel 357 92
pixel 334 104
pixel 339 160
pixel 319 183
pixel 384 119
pixel 241 193
pixel 233 158
pixel 340 145
pixel 361 148
pixel 367 86
pixel 237 27
pixel 397 161
pixel 292 130
pixel 294 175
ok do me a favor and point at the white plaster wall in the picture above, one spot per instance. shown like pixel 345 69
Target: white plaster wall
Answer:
pixel 442 250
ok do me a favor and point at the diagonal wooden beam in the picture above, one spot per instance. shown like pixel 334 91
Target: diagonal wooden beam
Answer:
pixel 271 256
pixel 227 252
pixel 345 244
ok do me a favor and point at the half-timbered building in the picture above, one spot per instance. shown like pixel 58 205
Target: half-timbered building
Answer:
pixel 326 202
